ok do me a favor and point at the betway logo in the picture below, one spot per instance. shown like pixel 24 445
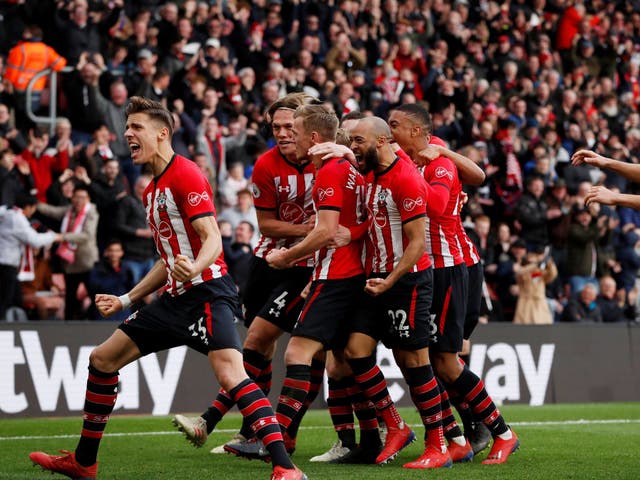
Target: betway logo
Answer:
pixel 59 373
pixel 501 378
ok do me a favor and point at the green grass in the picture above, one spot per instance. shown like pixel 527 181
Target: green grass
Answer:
pixel 553 446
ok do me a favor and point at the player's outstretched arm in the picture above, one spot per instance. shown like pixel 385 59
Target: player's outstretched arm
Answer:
pixel 107 304
pixel 607 197
pixel 627 170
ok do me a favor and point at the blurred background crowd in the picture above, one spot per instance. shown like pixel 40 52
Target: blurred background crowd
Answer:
pixel 518 86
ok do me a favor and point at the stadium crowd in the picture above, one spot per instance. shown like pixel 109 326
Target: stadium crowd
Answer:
pixel 516 86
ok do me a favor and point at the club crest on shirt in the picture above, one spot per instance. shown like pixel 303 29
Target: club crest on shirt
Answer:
pixel 443 172
pixel 255 190
pixel 161 201
pixel 322 193
pixel 194 198
pixel 410 203
pixel 382 196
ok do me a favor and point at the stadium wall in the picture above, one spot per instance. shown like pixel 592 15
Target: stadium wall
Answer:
pixel 43 368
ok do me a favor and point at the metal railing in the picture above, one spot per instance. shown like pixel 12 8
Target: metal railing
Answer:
pixel 53 98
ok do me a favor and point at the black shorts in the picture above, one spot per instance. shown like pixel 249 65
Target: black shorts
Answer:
pixel 328 311
pixel 201 318
pixel 399 317
pixel 450 292
pixel 275 294
pixel 474 301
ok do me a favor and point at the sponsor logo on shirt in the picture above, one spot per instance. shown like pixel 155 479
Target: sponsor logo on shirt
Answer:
pixel 410 203
pixel 443 172
pixel 291 212
pixel 322 193
pixel 194 198
pixel 164 229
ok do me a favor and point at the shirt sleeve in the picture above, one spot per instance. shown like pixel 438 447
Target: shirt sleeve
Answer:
pixel 412 198
pixel 329 187
pixel 263 188
pixel 194 195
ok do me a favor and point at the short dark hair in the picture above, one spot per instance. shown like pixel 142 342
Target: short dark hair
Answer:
pixel 153 109
pixel 419 114
pixel 25 199
pixel 81 187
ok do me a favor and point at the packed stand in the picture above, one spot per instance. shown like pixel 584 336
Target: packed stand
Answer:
pixel 518 87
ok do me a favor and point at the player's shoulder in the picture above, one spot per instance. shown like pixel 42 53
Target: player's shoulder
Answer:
pixel 268 158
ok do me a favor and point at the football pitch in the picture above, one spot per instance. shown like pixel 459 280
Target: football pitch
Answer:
pixel 568 441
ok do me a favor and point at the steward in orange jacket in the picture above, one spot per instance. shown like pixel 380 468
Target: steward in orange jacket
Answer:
pixel 29 57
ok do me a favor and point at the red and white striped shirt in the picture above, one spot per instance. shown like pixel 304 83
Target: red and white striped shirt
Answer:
pixel 394 197
pixel 340 187
pixel 468 249
pixel 175 198
pixel 443 244
pixel 285 188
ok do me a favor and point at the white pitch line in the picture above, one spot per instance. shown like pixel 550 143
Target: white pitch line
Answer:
pixel 551 423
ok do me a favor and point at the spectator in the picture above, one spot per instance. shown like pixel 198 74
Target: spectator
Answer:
pixel 243 211
pixel 581 249
pixel 238 253
pixel 44 163
pixel 533 214
pixel 79 251
pixel 533 275
pixel 110 273
pixel 613 303
pixel 583 308
pixel 105 189
pixel 506 283
pixel 132 228
pixel 26 59
pixel 81 92
pixel 235 182
pixel 79 32
pixel 10 136
pixel 17 238
pixel 15 178
pixel 112 111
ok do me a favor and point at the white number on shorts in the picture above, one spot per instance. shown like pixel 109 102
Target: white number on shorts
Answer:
pixel 280 303
pixel 433 328
pixel 399 319
pixel 199 329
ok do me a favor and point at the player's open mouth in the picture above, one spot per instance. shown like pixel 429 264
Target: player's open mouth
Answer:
pixel 134 148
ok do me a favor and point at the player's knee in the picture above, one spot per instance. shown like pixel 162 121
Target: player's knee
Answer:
pixel 298 353
pixel 101 362
pixel 446 366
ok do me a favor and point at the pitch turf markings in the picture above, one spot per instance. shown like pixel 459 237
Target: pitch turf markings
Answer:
pixel 234 430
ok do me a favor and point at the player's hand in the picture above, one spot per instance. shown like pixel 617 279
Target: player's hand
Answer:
pixel 427 155
pixel 183 269
pixel 107 305
pixel 333 150
pixel 376 286
pixel 600 195
pixel 342 237
pixel 589 157
pixel 277 259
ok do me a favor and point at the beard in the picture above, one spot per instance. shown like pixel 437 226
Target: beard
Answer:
pixel 369 160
